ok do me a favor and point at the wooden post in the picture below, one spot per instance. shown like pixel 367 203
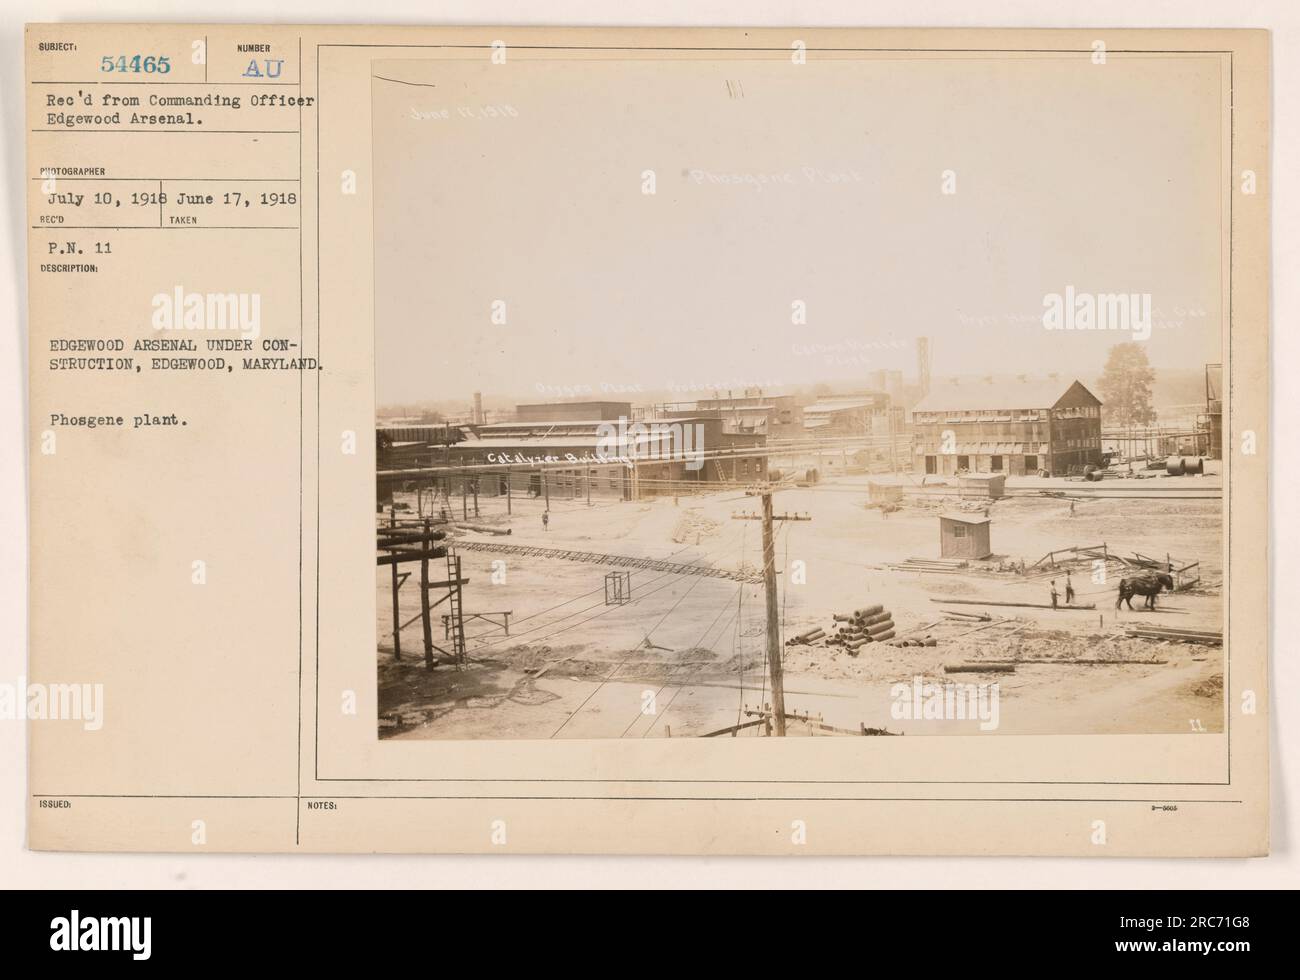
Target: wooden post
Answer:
pixel 476 496
pixel 424 598
pixel 509 508
pixel 773 636
pixel 777 711
pixel 546 487
pixel 588 471
pixel 397 616
pixel 464 496
pixel 889 427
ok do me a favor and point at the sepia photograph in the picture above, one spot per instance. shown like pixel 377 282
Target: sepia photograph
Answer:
pixel 754 396
pixel 736 385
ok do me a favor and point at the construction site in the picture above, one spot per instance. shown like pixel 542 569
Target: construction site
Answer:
pixel 564 575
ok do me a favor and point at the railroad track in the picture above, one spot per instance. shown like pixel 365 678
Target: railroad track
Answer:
pixel 597 558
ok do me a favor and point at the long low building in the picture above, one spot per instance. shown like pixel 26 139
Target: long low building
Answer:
pixel 1016 427
pixel 867 413
pixel 579 458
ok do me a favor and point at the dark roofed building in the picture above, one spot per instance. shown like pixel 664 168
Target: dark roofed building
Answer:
pixel 774 416
pixel 573 411
pixel 586 457
pixel 1016 427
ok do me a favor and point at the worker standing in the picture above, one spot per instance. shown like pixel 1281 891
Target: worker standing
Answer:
pixel 1055 594
pixel 1069 590
pixel 546 520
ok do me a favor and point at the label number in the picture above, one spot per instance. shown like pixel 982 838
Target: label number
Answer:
pixel 148 64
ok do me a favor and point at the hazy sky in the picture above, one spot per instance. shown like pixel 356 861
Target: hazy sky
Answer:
pixel 1107 178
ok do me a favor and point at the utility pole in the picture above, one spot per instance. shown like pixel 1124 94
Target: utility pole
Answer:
pixel 773 636
pixel 425 552
pixel 775 668
pixel 893 444
pixel 397 584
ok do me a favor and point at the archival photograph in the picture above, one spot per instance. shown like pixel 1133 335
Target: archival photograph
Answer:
pixel 774 396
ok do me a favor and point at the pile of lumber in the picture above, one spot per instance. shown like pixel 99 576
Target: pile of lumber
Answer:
pixel 920 641
pixel 1020 605
pixel 1148 632
pixel 1136 560
pixel 872 624
pixel 941 565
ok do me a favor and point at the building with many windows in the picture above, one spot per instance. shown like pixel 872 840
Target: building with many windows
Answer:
pixel 1017 428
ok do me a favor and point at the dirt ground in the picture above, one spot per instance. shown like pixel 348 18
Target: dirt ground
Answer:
pixel 686 656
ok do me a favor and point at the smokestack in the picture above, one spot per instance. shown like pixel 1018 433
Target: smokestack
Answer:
pixel 478 408
pixel 923 364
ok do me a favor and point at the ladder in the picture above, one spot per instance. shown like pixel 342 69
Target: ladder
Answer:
pixel 456 618
pixel 438 500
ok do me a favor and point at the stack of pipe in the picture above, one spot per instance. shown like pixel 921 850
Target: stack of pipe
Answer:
pixel 806 638
pixel 871 624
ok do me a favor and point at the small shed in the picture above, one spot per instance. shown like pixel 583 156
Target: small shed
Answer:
pixel 884 493
pixel 983 485
pixel 964 536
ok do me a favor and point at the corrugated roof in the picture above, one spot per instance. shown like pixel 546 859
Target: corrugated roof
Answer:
pixel 545 424
pixel 828 405
pixel 974 395
pixel 507 442
pixel 965 518
pixel 561 440
pixel 724 407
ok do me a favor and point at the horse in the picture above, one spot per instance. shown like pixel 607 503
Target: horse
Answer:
pixel 1149 585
